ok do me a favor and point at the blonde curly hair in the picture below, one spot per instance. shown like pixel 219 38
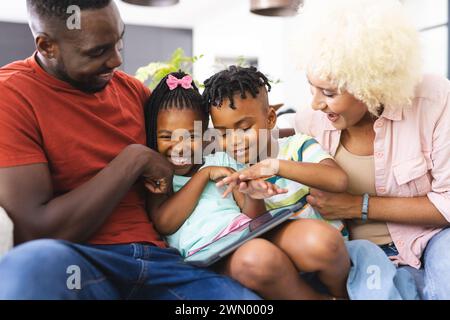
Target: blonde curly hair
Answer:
pixel 369 48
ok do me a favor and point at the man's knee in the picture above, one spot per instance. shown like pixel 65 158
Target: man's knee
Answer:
pixel 37 253
pixel 34 266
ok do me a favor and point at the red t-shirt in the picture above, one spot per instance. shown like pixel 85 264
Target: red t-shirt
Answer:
pixel 45 120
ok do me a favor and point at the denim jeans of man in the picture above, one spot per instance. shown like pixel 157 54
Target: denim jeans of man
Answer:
pixel 52 269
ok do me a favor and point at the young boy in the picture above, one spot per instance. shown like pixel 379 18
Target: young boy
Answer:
pixel 238 102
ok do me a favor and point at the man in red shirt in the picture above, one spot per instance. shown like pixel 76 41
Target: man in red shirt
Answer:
pixel 72 162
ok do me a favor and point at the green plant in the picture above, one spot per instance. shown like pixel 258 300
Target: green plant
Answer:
pixel 155 71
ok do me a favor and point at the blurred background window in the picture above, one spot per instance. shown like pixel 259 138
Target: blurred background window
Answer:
pixel 432 19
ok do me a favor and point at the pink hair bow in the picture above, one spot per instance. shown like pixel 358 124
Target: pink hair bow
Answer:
pixel 173 82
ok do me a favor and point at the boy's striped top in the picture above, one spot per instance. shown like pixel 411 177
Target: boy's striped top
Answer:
pixel 299 148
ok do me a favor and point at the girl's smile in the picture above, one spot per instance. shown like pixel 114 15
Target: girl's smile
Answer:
pixel 177 139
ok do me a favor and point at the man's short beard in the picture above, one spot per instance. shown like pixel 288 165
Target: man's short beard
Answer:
pixel 62 75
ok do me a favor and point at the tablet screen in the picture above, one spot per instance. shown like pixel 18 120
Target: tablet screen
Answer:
pixel 249 230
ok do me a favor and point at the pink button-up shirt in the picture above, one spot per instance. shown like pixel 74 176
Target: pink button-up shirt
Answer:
pixel 412 157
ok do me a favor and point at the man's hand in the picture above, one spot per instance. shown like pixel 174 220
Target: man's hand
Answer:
pixel 158 173
pixel 262 170
pixel 161 186
pixel 333 206
pixel 27 194
pixel 260 189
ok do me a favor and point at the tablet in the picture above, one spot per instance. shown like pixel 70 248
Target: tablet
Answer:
pixel 225 245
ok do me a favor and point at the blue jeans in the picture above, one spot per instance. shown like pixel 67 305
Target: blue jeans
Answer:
pixel 52 269
pixel 372 275
pixel 433 279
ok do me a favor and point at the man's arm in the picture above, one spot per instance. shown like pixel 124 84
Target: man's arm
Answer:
pixel 26 193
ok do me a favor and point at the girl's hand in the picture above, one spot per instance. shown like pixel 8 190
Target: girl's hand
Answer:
pixel 333 206
pixel 217 173
pixel 261 170
pixel 260 189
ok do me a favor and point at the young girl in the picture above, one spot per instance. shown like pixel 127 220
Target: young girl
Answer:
pixel 195 213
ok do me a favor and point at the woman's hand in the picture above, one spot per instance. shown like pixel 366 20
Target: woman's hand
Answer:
pixel 333 206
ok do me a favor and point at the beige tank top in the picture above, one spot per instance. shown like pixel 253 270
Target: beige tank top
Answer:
pixel 360 182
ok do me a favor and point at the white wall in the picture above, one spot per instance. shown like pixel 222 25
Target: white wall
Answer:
pixel 227 28
pixel 427 14
pixel 239 33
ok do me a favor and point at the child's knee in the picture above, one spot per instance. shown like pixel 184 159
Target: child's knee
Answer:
pixel 313 244
pixel 256 263
pixel 323 242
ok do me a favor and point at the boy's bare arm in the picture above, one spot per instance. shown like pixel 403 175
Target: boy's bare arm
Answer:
pixel 326 175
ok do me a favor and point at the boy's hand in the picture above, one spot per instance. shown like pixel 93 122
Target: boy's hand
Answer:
pixel 261 170
pixel 260 189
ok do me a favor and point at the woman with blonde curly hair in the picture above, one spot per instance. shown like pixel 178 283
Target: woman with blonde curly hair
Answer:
pixel 388 127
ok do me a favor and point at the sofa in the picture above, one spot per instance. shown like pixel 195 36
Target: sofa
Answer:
pixel 6 232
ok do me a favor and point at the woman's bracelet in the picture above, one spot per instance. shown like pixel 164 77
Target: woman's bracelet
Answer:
pixel 365 207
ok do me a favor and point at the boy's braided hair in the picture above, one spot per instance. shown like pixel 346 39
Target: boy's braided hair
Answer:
pixel 225 84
